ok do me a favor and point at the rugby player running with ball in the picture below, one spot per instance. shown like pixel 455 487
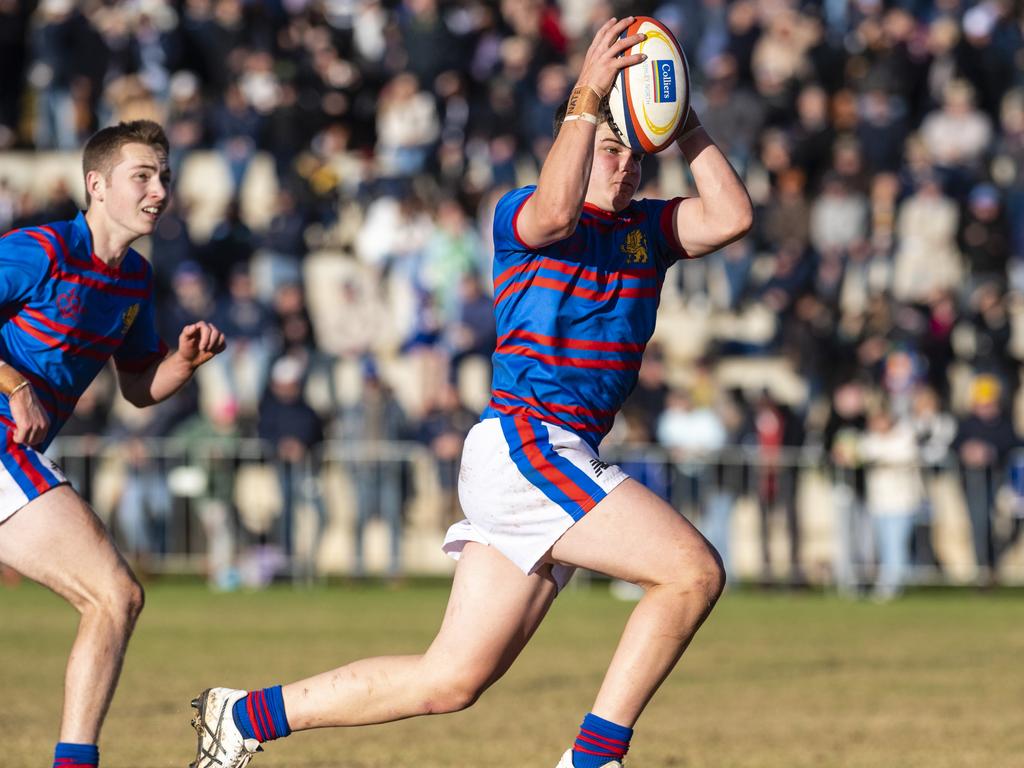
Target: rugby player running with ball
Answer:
pixel 578 267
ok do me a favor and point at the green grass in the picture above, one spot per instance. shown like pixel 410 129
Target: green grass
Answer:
pixel 772 681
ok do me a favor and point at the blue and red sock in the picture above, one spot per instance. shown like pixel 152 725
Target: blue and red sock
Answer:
pixel 260 715
pixel 600 742
pixel 76 755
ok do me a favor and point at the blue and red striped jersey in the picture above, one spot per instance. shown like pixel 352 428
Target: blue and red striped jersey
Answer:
pixel 574 317
pixel 64 313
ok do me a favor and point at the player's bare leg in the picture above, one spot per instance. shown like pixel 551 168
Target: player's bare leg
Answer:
pixel 633 535
pixel 57 541
pixel 492 612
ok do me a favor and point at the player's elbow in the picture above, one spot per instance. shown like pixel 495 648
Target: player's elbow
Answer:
pixel 740 220
pixel 744 218
pixel 554 223
pixel 136 394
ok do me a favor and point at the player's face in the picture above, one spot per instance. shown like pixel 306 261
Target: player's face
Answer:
pixel 138 190
pixel 615 174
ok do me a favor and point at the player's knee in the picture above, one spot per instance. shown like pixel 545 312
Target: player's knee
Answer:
pixel 133 600
pixel 700 573
pixel 710 576
pixel 119 601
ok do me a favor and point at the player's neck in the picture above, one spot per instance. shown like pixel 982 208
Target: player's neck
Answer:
pixel 110 241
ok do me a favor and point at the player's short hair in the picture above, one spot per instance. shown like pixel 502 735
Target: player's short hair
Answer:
pixel 103 150
pixel 604 116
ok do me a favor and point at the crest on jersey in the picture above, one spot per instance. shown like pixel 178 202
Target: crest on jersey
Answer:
pixel 68 304
pixel 635 247
pixel 128 318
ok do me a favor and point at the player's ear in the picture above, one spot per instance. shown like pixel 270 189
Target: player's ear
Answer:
pixel 96 185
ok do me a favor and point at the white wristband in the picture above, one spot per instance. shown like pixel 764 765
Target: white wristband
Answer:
pixel 592 119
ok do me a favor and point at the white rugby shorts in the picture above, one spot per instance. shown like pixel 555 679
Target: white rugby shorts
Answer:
pixel 522 484
pixel 25 474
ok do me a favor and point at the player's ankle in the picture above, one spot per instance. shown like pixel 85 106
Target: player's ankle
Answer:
pixel 600 742
pixel 67 755
pixel 260 715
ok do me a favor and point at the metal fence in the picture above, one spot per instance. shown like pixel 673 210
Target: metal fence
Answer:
pixel 233 510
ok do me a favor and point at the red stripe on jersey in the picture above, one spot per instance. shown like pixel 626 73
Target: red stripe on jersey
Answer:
pixel 31 330
pixel 515 222
pixel 578 290
pixel 575 362
pixel 95 264
pixel 60 274
pixel 116 290
pixel 542 465
pixel 576 410
pixel 57 395
pixel 668 215
pixel 573 269
pixel 70 330
pixel 522 410
pixel 48 250
pixel 18 452
pixel 555 341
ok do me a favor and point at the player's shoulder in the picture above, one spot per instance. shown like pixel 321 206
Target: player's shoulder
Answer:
pixel 44 243
pixel 515 197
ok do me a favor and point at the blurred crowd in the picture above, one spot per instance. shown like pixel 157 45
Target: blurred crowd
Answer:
pixel 872 312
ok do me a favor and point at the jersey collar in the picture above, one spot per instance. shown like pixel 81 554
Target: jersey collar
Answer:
pixel 600 213
pixel 82 239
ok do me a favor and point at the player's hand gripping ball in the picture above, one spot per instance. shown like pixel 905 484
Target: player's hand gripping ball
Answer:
pixel 649 101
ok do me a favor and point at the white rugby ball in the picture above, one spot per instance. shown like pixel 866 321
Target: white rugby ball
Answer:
pixel 649 100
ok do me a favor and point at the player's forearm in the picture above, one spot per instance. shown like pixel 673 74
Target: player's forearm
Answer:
pixel 726 211
pixel 564 177
pixel 158 382
pixel 11 381
pixel 557 204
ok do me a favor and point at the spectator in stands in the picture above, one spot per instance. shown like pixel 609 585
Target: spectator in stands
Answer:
pixel 171 247
pixel 443 430
pixel 407 127
pixel 935 430
pixel 844 431
pixel 212 440
pixel 776 434
pixel 375 420
pixel 983 443
pixel 984 235
pixel 192 300
pixel 471 333
pixel 231 243
pixel 294 432
pixel 926 259
pixel 893 496
pixel 956 135
pixel 235 126
pixel 58 31
pixel 283 244
pixel 247 324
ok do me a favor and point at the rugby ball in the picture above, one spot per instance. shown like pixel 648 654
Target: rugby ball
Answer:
pixel 649 101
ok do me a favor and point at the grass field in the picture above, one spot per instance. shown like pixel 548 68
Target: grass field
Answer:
pixel 772 681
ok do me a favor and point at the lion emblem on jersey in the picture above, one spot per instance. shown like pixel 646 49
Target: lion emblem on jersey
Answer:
pixel 635 247
pixel 128 318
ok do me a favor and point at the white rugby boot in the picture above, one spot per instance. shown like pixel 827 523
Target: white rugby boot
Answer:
pixel 220 743
pixel 566 761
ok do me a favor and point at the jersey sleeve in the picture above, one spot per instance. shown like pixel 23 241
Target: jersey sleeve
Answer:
pixel 506 215
pixel 23 266
pixel 661 215
pixel 142 345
